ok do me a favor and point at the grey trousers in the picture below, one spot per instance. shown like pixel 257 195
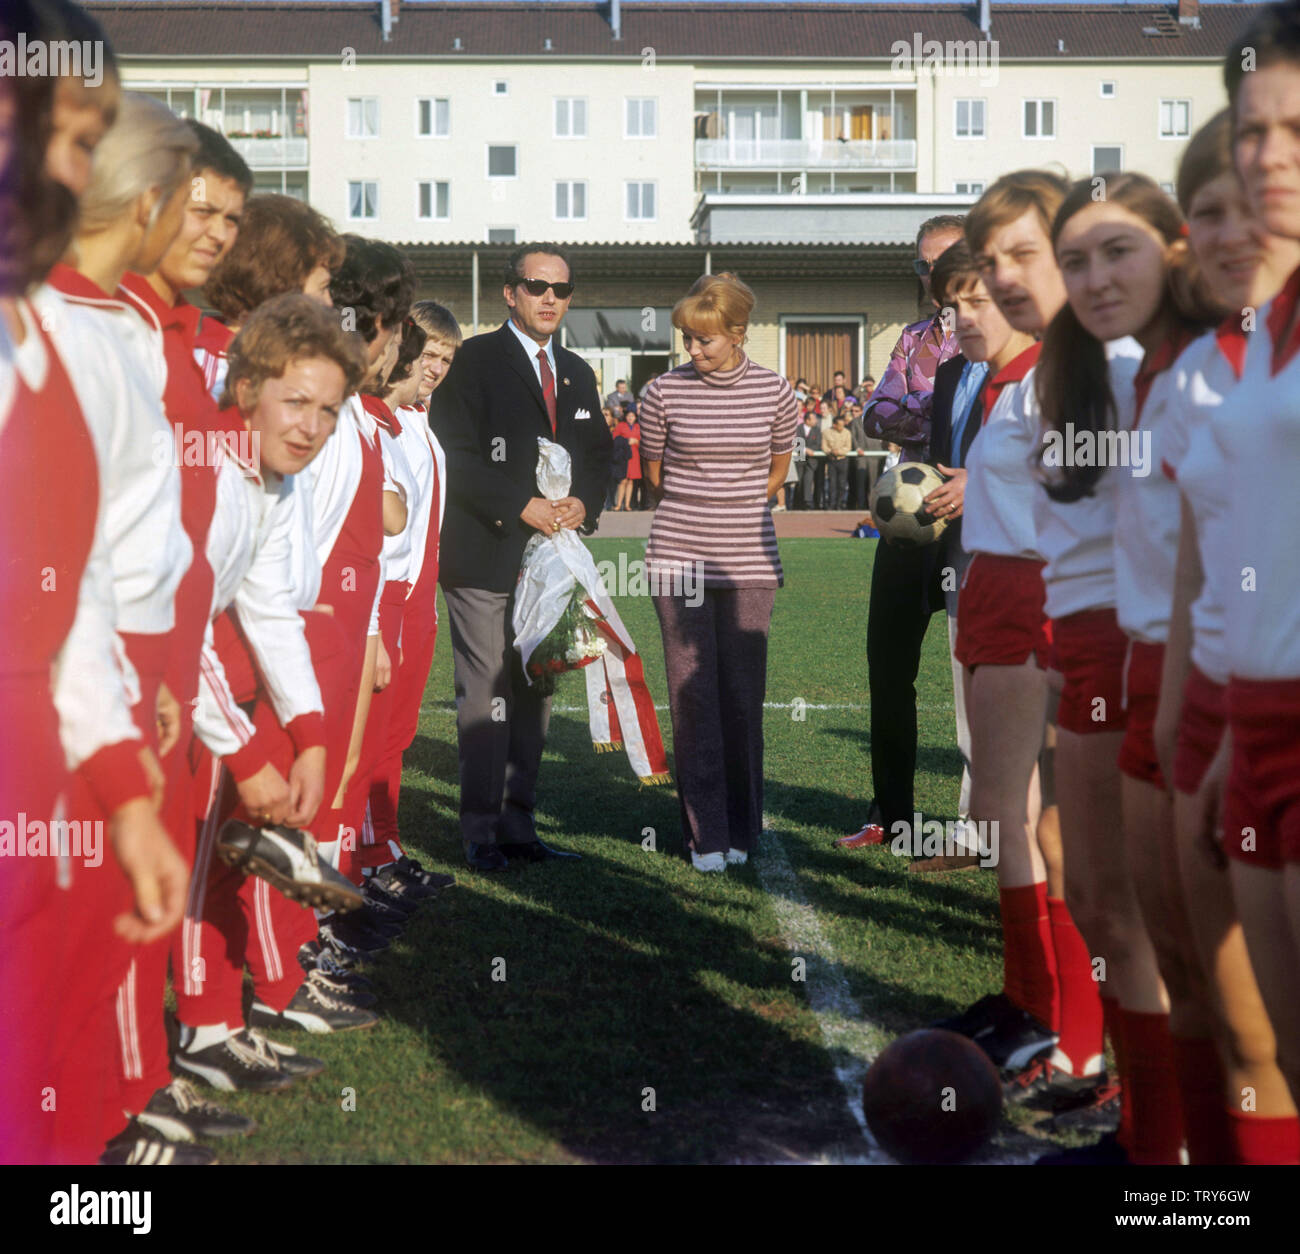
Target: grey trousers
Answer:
pixel 716 657
pixel 500 720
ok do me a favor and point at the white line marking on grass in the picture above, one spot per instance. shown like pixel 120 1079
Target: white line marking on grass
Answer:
pixel 852 1040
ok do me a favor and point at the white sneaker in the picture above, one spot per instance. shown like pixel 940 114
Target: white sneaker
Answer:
pixel 708 861
pixel 737 857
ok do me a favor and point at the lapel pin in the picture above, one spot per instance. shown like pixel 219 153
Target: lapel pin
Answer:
pixel 566 383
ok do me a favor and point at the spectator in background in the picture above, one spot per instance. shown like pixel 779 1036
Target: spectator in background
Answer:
pixel 619 397
pixel 618 456
pixel 837 443
pixel 629 430
pixel 808 439
pixel 863 470
pixel 865 389
pixel 801 390
pixel 902 596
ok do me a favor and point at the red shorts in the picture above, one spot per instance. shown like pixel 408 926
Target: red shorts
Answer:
pixel 1200 730
pixel 1137 755
pixel 1000 619
pixel 1090 649
pixel 1261 804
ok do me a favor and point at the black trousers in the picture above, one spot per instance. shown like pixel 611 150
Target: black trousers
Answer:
pixel 837 476
pixel 903 583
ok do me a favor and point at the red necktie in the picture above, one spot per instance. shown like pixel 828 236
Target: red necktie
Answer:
pixel 548 387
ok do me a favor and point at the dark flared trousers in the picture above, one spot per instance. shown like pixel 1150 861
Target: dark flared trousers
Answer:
pixel 716 656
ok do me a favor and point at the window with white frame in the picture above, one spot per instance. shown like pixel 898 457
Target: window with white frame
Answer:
pixel 363 200
pixel 570 201
pixel 969 119
pixel 639 202
pixel 433 201
pixel 502 161
pixel 968 189
pixel 570 117
pixel 1107 158
pixel 1107 88
pixel 640 117
pixel 1175 119
pixel 1039 119
pixel 433 117
pixel 363 117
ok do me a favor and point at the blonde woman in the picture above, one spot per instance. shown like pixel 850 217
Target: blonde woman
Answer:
pixel 716 440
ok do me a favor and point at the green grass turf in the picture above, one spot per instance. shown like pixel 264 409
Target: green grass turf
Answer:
pixel 629 971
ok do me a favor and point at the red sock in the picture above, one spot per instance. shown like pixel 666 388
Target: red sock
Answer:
pixel 1114 1021
pixel 1258 1140
pixel 1082 1026
pixel 1201 1084
pixel 1028 959
pixel 1157 1112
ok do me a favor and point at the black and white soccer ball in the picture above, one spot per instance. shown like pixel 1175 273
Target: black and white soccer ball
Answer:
pixel 898 509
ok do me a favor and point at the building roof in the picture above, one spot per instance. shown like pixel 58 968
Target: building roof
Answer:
pixel 318 29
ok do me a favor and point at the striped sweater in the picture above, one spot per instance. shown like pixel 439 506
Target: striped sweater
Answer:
pixel 716 435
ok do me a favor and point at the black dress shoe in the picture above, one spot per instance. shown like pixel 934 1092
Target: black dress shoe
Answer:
pixel 535 851
pixel 486 857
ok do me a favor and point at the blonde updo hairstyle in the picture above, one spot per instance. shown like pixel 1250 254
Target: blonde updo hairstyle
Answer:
pixel 147 147
pixel 717 304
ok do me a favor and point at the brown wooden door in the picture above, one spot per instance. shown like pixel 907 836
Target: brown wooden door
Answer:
pixel 816 350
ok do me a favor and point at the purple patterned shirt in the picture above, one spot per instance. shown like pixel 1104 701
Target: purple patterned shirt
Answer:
pixel 899 409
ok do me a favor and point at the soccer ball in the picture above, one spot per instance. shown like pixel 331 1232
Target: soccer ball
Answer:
pixel 932 1097
pixel 897 505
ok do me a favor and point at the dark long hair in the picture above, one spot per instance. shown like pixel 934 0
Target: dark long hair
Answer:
pixel 1072 381
pixel 38 216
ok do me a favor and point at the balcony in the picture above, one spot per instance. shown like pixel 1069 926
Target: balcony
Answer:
pixel 805 154
pixel 274 152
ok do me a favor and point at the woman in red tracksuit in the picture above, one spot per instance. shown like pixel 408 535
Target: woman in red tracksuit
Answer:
pixel 68 732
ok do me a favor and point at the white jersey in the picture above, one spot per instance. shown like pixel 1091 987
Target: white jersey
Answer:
pixel 91 680
pixel 398 471
pixel 250 547
pixel 1147 520
pixel 428 465
pixel 335 476
pixel 1256 430
pixel 1204 374
pixel 1076 537
pixel 998 508
pixel 118 373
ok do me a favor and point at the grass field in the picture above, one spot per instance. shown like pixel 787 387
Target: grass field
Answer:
pixel 630 972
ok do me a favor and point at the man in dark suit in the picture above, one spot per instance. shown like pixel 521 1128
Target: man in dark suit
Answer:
pixel 505 389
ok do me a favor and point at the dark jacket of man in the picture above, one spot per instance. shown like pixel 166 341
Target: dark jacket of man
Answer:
pixel 488 414
pixel 946 379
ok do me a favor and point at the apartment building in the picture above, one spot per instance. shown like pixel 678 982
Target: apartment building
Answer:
pixel 800 146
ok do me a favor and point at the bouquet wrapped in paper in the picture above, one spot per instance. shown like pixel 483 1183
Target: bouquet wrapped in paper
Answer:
pixel 564 620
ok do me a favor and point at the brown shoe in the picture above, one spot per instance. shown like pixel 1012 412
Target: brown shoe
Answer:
pixel 944 862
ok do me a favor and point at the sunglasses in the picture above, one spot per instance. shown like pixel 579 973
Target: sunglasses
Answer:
pixel 921 267
pixel 537 287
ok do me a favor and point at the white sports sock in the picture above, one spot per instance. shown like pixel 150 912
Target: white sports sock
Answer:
pixel 204 1036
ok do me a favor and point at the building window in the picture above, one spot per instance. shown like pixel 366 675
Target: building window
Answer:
pixel 433 117
pixel 363 117
pixel 968 189
pixel 570 118
pixel 570 201
pixel 434 201
pixel 1107 158
pixel 1175 119
pixel 640 117
pixel 640 202
pixel 1107 89
pixel 363 201
pixel 502 235
pixel 969 122
pixel 500 87
pixel 1168 189
pixel 501 161
pixel 1040 119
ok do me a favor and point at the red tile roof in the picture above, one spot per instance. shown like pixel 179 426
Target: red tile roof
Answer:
pixel 317 30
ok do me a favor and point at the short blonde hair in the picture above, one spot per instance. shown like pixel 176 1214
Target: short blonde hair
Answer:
pixel 437 322
pixel 147 147
pixel 291 328
pixel 717 303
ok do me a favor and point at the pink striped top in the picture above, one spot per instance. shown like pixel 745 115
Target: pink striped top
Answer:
pixel 716 435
